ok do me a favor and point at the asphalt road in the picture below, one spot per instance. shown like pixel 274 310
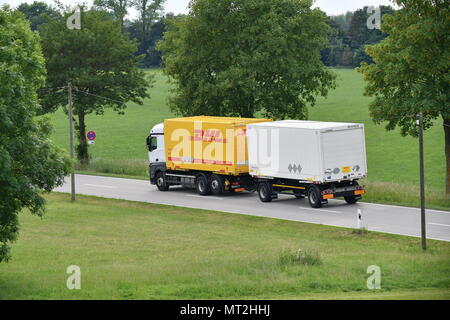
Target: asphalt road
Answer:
pixel 376 217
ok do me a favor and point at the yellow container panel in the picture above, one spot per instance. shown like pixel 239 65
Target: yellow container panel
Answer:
pixel 214 144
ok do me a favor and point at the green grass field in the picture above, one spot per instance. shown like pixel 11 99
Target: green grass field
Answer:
pixel 392 159
pixel 129 250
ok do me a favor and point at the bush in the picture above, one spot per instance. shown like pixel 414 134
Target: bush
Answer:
pixel 303 257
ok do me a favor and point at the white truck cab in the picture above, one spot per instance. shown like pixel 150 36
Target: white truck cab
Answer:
pixel 155 144
pixel 157 155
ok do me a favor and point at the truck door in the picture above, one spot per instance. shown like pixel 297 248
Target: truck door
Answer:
pixel 155 144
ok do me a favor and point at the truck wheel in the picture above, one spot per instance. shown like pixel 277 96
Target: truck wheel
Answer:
pixel 216 185
pixel 265 192
pixel 314 197
pixel 202 185
pixel 161 182
pixel 351 199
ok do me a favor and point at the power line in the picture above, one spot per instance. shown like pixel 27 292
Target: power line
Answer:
pixel 98 96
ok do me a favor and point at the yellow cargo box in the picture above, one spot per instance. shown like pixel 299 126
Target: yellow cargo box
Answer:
pixel 214 144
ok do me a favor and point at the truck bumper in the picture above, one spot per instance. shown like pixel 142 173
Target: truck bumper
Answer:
pixel 347 193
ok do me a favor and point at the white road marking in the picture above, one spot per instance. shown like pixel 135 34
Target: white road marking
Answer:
pixel 324 210
pixel 100 186
pixel 400 207
pixel 439 224
pixel 203 197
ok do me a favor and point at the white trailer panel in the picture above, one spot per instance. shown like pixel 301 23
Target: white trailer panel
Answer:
pixel 307 150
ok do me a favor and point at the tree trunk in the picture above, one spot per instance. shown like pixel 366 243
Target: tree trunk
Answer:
pixel 447 154
pixel 82 148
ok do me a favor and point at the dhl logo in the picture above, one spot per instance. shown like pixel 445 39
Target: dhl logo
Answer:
pixel 208 136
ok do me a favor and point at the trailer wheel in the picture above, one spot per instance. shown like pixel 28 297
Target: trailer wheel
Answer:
pixel 314 197
pixel 351 199
pixel 161 182
pixel 216 185
pixel 265 192
pixel 202 185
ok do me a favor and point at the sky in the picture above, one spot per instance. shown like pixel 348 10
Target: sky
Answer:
pixel 331 7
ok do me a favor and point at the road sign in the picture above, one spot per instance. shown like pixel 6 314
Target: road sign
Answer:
pixel 91 142
pixel 91 135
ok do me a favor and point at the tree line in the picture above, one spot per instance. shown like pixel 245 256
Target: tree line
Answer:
pixel 346 43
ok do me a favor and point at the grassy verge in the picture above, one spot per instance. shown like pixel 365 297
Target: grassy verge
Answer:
pixel 404 195
pixel 129 250
pixel 129 168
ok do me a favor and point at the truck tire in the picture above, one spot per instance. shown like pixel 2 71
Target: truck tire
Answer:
pixel 202 185
pixel 315 197
pixel 161 182
pixel 216 185
pixel 351 199
pixel 265 191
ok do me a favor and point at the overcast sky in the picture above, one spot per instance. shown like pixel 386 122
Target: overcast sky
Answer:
pixel 331 7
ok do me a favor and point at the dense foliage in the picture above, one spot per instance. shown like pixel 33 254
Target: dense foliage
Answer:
pixel 238 58
pixel 37 13
pixel 29 162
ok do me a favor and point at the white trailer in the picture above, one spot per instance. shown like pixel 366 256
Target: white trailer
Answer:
pixel 321 160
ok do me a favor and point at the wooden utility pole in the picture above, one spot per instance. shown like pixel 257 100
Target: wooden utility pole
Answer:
pixel 70 112
pixel 422 183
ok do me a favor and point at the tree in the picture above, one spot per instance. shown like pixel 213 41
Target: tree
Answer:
pixel 145 28
pixel 239 57
pixel 343 19
pixel 411 70
pixel 37 12
pixel 100 64
pixel 149 11
pixel 29 162
pixel 119 8
pixel 147 44
pixel 359 35
pixel 332 53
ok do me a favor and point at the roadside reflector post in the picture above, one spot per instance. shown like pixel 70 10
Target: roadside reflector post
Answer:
pixel 358 219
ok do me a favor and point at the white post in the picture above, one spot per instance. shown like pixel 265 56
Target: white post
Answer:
pixel 358 219
pixel 70 113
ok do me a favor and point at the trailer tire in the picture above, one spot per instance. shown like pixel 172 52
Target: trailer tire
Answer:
pixel 202 185
pixel 161 182
pixel 216 185
pixel 351 199
pixel 314 197
pixel 265 191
